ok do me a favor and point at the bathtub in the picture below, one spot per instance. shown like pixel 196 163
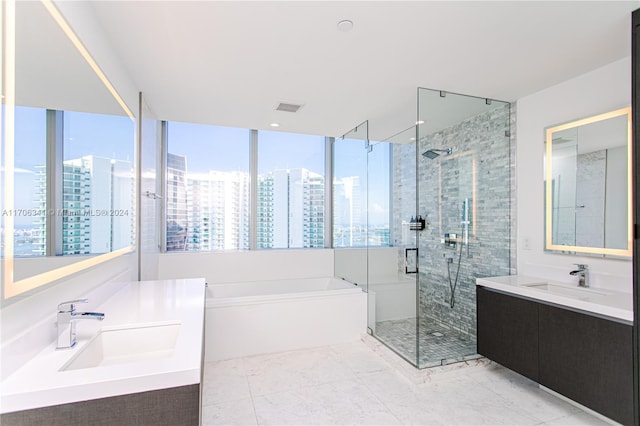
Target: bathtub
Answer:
pixel 249 318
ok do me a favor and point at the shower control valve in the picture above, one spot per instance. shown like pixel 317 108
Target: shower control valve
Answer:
pixel 449 240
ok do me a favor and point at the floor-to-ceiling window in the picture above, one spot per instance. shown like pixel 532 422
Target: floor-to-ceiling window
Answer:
pixel 208 188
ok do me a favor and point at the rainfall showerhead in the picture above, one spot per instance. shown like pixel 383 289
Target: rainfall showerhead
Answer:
pixel 433 153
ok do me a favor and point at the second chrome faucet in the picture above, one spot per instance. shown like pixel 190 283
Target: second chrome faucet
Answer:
pixel 67 318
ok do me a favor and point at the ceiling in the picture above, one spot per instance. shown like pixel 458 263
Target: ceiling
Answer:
pixel 231 63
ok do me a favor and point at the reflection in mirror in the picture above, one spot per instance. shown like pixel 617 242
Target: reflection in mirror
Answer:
pixel 588 185
pixel 68 145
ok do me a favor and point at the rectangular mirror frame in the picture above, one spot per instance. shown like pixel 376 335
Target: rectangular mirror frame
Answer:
pixel 548 186
pixel 10 287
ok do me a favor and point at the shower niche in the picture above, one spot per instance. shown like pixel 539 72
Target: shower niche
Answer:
pixel 449 210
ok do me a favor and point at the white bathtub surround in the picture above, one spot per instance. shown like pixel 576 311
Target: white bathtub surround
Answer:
pixel 365 383
pixel 600 301
pixel 391 299
pixel 272 316
pixel 40 383
pixel 250 265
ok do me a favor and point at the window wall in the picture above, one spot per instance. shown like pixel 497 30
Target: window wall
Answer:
pixel 349 192
pixel 208 187
pixel 209 198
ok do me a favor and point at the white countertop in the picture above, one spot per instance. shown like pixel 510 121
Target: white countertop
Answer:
pixel 591 300
pixel 40 383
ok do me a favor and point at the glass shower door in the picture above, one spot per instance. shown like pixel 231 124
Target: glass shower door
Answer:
pixel 464 191
pixel 392 249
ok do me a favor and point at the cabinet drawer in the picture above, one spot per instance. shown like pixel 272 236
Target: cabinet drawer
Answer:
pixel 508 331
pixel 587 359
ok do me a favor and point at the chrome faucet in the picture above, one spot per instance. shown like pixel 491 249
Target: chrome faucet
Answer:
pixel 582 273
pixel 67 317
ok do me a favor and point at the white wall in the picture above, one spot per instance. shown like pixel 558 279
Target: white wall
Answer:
pixel 229 267
pixel 601 90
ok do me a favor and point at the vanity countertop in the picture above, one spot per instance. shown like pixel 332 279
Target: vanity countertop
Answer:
pixel 598 301
pixel 40 383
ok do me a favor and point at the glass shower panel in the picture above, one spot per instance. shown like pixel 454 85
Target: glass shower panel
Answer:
pixel 349 205
pixel 393 266
pixel 465 194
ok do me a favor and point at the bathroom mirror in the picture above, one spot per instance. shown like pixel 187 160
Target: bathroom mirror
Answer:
pixel 588 186
pixel 67 136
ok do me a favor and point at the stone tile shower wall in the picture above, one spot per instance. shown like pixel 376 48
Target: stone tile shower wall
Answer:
pixel 480 149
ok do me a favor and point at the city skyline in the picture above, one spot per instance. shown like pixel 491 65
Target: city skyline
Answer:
pixel 225 149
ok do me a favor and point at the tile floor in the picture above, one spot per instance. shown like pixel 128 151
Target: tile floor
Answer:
pixel 439 344
pixel 365 383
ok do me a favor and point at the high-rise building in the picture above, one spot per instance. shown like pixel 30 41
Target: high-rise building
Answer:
pixel 97 206
pixel 177 212
pixel 290 209
pixel 218 211
pixel 349 221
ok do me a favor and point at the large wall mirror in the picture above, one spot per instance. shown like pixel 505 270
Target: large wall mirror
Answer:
pixel 588 186
pixel 68 169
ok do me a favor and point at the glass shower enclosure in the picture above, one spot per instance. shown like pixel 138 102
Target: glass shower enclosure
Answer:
pixel 448 212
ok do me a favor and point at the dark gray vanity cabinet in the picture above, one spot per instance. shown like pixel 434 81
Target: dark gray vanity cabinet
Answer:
pixel 588 360
pixel 508 331
pixel 583 357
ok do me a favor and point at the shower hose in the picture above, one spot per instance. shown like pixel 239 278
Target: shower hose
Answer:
pixel 454 284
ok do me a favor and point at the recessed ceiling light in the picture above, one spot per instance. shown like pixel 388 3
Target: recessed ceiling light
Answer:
pixel 345 25
pixel 412 139
pixel 274 124
pixel 420 122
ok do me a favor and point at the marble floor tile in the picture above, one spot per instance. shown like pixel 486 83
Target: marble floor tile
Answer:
pixel 238 412
pixel 401 397
pixel 524 394
pixel 225 381
pixel 463 402
pixel 291 370
pixel 577 419
pixel 336 403
pixel 365 383
pixel 359 358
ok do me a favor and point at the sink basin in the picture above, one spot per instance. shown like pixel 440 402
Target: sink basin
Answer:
pixel 125 345
pixel 566 291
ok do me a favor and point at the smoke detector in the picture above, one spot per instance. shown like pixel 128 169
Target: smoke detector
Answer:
pixel 288 107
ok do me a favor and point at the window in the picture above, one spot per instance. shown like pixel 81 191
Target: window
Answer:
pixel 208 188
pixel 379 183
pixel 349 193
pixel 98 183
pixel 30 180
pixel 290 190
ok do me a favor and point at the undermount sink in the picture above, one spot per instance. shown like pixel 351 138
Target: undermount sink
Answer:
pixel 125 345
pixel 566 290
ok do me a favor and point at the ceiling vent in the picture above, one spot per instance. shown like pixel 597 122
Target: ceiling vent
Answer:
pixel 282 106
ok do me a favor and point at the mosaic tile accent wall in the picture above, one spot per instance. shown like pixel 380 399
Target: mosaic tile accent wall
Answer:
pixel 479 170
